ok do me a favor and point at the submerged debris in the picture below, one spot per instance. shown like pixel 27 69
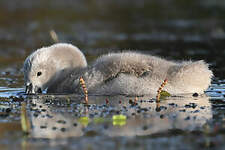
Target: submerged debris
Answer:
pixel 54 36
pixel 106 101
pixel 16 99
pixel 195 95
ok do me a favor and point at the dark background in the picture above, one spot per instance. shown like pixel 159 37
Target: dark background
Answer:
pixel 174 29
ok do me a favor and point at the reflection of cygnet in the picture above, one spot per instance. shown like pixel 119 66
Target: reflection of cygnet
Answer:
pixel 50 124
pixel 58 68
pixel 185 114
pixel 177 113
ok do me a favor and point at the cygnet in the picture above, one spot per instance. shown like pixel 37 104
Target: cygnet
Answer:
pixel 58 69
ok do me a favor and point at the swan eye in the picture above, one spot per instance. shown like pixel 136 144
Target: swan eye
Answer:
pixel 39 73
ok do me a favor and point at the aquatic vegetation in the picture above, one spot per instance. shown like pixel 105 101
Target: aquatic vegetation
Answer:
pixel 164 94
pixel 54 36
pixel 99 120
pixel 25 123
pixel 160 90
pixel 119 120
pixel 84 121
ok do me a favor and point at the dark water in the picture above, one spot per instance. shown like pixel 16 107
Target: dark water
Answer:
pixel 174 29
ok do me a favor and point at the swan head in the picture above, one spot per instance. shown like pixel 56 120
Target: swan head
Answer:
pixel 47 65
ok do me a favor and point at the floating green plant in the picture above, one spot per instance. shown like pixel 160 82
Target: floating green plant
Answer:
pixel 164 94
pixel 119 120
pixel 83 120
pixel 99 120
pixel 160 92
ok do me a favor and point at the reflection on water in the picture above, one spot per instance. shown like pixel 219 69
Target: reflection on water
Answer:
pixel 70 119
pixel 63 120
pixel 7 92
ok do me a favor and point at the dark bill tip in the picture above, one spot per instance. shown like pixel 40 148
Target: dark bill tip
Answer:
pixel 39 90
pixel 29 88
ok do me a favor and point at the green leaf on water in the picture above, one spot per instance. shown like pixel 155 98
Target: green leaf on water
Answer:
pixel 164 94
pixel 83 120
pixel 119 120
pixel 99 120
